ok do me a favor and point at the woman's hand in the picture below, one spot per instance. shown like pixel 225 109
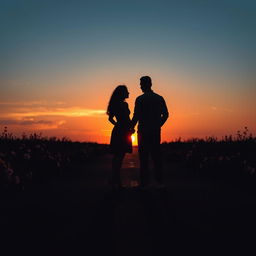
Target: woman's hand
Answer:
pixel 111 120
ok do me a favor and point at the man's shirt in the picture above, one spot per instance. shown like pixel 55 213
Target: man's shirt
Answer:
pixel 150 111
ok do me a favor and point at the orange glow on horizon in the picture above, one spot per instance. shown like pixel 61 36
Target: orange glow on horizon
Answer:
pixel 197 111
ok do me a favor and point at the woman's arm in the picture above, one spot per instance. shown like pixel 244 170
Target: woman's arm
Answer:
pixel 111 119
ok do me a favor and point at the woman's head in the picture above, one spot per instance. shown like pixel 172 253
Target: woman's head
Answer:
pixel 119 95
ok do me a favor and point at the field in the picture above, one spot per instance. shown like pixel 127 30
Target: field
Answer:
pixel 33 159
pixel 55 198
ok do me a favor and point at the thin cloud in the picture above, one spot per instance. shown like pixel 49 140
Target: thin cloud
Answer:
pixel 34 103
pixel 24 122
pixel 34 124
pixel 9 122
pixel 28 122
pixel 67 112
pixel 20 109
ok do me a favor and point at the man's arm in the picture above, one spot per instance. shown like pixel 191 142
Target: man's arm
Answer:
pixel 165 113
pixel 135 117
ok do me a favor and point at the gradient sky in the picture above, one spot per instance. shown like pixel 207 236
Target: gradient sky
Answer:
pixel 61 60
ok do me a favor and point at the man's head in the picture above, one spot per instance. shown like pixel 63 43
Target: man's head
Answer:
pixel 145 83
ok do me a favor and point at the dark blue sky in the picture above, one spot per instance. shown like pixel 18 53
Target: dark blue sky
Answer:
pixel 46 33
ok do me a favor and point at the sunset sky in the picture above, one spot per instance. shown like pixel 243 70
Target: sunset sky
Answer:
pixel 61 60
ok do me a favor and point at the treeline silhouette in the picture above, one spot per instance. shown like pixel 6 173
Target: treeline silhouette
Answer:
pixel 231 157
pixel 34 159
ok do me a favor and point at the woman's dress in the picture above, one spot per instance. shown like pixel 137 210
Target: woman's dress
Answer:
pixel 121 141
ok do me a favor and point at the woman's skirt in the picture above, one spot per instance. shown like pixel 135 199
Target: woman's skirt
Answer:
pixel 121 141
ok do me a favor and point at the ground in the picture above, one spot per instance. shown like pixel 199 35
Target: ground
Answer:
pixel 81 215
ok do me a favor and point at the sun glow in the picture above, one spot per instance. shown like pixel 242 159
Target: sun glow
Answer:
pixel 134 140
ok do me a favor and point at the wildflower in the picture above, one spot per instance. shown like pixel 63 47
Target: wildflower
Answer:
pixel 9 171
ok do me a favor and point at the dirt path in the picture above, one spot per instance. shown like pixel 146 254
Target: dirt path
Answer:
pixel 82 216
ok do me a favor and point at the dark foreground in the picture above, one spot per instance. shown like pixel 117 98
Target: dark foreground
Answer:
pixel 82 216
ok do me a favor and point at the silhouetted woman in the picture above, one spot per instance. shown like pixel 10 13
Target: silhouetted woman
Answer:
pixel 121 142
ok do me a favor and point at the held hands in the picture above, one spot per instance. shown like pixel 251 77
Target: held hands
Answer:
pixel 132 130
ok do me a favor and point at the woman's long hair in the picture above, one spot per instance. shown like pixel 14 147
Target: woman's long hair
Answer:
pixel 116 98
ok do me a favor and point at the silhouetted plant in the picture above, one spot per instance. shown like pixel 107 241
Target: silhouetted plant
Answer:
pixel 33 158
pixel 228 157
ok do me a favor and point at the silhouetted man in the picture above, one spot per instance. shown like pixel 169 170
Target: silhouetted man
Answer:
pixel 151 113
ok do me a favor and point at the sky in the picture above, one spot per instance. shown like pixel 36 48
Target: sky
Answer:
pixel 61 60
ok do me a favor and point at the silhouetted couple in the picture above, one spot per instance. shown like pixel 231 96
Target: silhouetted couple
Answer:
pixel 150 112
